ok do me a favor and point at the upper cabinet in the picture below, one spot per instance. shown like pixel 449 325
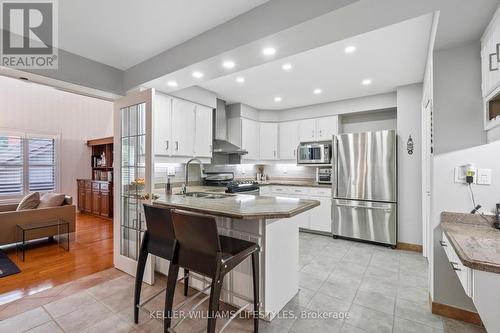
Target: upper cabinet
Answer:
pixel 181 128
pixel 319 129
pixel 162 125
pixel 203 131
pixel 250 138
pixel 288 140
pixel 490 56
pixel 268 141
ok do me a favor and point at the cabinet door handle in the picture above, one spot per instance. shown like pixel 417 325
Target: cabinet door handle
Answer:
pixel 176 145
pixel 491 62
pixel 312 132
pixel 454 267
pixel 166 148
pixel 320 133
pixel 443 243
pixel 294 152
pixel 498 52
pixel 274 153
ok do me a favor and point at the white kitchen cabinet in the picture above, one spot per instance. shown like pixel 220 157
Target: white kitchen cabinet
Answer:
pixel 317 219
pixel 162 125
pixel 490 64
pixel 326 127
pixel 250 138
pixel 268 141
pixel 307 130
pixel 320 217
pixel 183 127
pixel 288 140
pixel 203 131
pixel 318 129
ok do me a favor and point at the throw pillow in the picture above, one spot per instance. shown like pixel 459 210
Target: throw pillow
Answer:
pixel 31 201
pixel 51 200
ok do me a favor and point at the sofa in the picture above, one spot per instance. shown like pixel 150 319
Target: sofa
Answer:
pixel 9 218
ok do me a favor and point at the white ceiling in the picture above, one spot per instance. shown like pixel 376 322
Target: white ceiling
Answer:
pixel 390 57
pixel 122 33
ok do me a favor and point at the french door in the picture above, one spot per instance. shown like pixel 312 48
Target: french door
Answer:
pixel 427 155
pixel 133 178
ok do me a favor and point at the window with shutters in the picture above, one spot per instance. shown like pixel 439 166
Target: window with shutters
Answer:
pixel 28 163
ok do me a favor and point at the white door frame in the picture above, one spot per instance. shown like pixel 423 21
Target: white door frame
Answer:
pixel 121 262
pixel 426 178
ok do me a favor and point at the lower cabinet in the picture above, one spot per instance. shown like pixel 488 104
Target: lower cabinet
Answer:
pixel 95 197
pixel 317 219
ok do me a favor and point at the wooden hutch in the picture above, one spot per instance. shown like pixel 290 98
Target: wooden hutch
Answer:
pixel 95 196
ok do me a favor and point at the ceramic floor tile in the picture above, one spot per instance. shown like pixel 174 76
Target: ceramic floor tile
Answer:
pixel 303 297
pixel 351 329
pixel 318 270
pixel 375 301
pixel 69 304
pixel 78 320
pixel 25 321
pixel 406 326
pixel 344 291
pixel 416 295
pixel 383 273
pixel 383 287
pixel 324 303
pixel 112 287
pixel 316 325
pixel 266 327
pixel 370 320
pixel 48 327
pixel 112 324
pixel 417 312
pixel 455 326
pixel 310 281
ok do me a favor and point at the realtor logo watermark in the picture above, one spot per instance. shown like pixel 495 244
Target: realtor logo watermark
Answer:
pixel 29 34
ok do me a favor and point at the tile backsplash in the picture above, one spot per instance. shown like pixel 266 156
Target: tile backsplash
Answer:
pixel 240 171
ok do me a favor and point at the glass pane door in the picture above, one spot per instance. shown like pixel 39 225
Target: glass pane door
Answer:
pixel 133 178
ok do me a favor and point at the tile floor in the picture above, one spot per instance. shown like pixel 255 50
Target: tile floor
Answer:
pixel 383 290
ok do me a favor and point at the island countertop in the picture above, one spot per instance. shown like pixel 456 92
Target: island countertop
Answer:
pixel 474 239
pixel 240 206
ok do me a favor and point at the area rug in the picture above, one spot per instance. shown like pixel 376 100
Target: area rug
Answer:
pixel 7 267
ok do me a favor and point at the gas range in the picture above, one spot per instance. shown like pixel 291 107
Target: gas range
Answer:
pixel 226 179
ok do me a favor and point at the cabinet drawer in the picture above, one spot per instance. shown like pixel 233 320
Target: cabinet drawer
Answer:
pixel 280 189
pixel 88 184
pixel 320 192
pixel 105 186
pixel 299 191
pixel 95 186
pixel 464 273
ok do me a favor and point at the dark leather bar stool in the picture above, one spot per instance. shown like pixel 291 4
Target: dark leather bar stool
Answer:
pixel 199 248
pixel 158 240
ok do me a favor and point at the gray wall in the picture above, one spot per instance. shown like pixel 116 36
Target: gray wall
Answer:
pixel 494 134
pixel 458 108
pixel 368 121
pixel 409 99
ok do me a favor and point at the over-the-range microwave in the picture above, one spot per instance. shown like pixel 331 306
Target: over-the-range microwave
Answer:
pixel 314 153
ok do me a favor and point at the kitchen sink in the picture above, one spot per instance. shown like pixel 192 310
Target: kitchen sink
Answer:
pixel 205 195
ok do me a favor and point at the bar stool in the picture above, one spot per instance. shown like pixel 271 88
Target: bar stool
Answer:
pixel 199 248
pixel 158 240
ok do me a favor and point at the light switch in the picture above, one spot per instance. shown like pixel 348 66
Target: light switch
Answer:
pixel 484 176
pixel 171 170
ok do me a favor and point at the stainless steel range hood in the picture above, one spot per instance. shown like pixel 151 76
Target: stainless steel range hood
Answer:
pixel 224 152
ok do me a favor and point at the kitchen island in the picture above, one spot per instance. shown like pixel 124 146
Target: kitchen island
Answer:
pixel 267 221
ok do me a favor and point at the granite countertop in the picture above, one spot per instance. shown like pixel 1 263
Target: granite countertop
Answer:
pixel 240 206
pixel 474 239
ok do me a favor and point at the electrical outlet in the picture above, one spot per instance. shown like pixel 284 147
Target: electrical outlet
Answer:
pixel 484 176
pixel 171 170
pixel 285 170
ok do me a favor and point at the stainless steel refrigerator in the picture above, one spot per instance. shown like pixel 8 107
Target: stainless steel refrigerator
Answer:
pixel 365 186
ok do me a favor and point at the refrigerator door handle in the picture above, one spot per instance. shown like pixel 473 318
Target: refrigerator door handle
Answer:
pixel 364 206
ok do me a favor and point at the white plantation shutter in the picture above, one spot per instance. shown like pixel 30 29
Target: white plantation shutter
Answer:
pixel 41 165
pixel 27 164
pixel 11 165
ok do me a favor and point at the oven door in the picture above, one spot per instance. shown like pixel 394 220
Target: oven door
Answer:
pixel 311 154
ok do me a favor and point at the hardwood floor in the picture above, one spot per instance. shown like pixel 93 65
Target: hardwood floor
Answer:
pixel 48 265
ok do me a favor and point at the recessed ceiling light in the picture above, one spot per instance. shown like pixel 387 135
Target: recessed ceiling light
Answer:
pixel 287 66
pixel 240 79
pixel 366 82
pixel 277 99
pixel 350 49
pixel 172 83
pixel 228 64
pixel 317 91
pixel 197 75
pixel 269 51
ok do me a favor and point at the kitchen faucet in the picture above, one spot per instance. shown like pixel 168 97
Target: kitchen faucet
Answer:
pixel 186 182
